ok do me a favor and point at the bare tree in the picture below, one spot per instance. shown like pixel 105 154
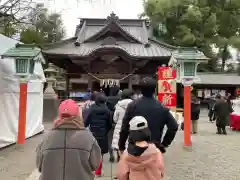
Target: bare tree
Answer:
pixel 14 10
pixel 13 15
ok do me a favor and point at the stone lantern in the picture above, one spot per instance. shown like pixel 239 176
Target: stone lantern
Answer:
pixel 61 81
pixel 50 74
pixel 60 84
pixel 50 101
pixel 24 58
pixel 186 60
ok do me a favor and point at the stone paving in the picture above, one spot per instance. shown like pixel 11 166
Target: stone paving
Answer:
pixel 18 161
pixel 213 157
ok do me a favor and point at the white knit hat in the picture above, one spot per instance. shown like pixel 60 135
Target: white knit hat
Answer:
pixel 138 123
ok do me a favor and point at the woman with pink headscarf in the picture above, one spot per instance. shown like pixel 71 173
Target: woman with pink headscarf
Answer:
pixel 69 151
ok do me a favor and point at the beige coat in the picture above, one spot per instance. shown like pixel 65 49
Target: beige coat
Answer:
pixel 68 153
pixel 148 166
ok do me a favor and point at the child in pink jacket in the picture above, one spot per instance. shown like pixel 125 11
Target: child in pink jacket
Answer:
pixel 142 160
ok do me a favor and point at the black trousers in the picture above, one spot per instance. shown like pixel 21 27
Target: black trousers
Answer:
pixel 110 137
pixel 221 129
pixel 211 115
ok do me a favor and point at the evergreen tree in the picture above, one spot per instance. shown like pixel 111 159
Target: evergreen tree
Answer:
pixel 199 23
pixel 43 27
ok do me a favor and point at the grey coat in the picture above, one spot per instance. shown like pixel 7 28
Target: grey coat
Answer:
pixel 68 153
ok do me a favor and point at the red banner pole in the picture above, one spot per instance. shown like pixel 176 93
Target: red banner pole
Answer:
pixel 21 139
pixel 187 116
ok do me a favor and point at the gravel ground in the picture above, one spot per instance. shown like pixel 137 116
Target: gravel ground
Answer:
pixel 212 157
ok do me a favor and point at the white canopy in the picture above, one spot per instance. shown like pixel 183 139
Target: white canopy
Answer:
pixel 9 98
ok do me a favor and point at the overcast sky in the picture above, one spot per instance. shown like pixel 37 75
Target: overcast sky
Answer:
pixel 72 10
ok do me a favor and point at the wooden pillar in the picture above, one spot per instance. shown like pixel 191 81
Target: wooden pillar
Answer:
pixel 130 82
pixel 89 81
pixel 67 86
pixel 131 76
pixel 89 76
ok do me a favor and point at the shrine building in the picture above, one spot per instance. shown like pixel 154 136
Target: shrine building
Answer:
pixel 111 50
pixel 121 50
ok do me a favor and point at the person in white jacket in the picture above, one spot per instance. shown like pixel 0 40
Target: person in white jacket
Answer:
pixel 120 108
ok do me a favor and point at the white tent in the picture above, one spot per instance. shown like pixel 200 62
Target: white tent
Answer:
pixel 236 106
pixel 9 98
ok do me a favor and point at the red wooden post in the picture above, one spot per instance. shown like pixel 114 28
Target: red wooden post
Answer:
pixel 21 139
pixel 187 115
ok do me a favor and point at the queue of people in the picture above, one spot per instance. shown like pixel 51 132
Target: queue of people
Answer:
pixel 134 128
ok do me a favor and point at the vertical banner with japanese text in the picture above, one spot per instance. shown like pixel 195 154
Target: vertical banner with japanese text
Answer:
pixel 167 86
pixel 237 91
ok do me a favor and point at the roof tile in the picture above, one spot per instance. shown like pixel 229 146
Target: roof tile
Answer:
pixel 132 49
pixel 22 52
pixel 227 79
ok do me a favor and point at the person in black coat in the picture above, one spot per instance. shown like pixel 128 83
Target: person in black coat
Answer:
pixel 222 112
pixel 154 112
pixel 87 105
pixel 195 112
pixel 99 123
pixel 211 114
pixel 112 100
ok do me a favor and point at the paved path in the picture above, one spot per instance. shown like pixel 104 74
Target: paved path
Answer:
pixel 213 157
pixel 18 161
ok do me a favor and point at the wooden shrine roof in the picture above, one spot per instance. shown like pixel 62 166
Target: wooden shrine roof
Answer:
pixel 94 35
pixel 215 78
pixel 86 49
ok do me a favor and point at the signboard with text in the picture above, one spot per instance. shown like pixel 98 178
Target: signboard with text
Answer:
pixel 109 82
pixel 167 86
